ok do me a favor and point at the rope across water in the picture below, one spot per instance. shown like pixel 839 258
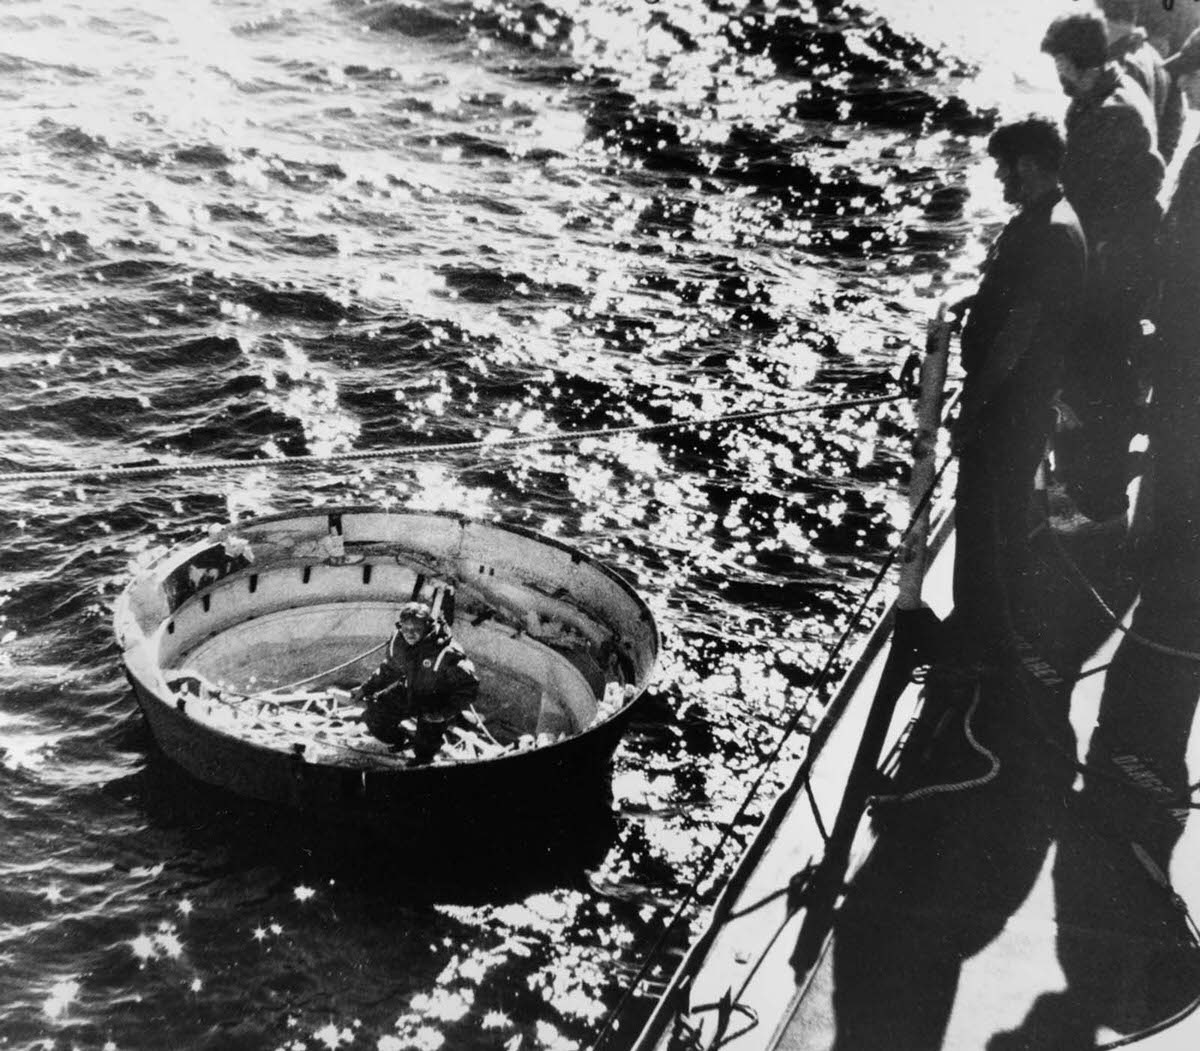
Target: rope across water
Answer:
pixel 421 451
pixel 411 452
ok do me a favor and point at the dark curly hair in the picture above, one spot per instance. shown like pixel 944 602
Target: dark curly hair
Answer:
pixel 1081 38
pixel 1035 136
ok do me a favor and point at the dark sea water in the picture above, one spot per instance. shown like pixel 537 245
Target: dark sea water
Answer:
pixel 229 227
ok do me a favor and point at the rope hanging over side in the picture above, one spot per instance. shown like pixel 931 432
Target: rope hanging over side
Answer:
pixel 421 451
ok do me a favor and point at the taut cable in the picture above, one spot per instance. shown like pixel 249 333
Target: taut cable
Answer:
pixel 422 451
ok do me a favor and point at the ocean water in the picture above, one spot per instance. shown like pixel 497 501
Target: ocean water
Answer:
pixel 232 227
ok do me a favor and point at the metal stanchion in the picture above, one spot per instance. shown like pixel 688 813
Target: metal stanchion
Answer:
pixel 912 635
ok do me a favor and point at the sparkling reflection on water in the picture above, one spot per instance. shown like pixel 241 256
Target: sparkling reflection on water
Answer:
pixel 229 228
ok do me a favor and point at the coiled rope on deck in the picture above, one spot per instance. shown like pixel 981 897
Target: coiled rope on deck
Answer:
pixel 950 787
pixel 419 451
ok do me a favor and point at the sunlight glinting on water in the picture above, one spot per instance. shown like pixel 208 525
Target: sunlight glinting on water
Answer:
pixel 232 228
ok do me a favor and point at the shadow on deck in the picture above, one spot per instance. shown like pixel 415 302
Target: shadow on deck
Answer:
pixel 1033 912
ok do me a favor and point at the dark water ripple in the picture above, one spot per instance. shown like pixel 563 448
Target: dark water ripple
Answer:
pixel 228 230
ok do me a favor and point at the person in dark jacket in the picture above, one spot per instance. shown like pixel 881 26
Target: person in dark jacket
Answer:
pixel 1185 60
pixel 1174 411
pixel 425 676
pixel 1168 27
pixel 1130 48
pixel 1111 175
pixel 1023 317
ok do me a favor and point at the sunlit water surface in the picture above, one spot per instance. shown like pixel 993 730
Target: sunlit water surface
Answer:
pixel 230 228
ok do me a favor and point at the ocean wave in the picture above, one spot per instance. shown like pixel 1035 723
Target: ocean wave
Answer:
pixel 204 155
pixel 897 106
pixel 461 221
pixel 67 138
pixel 231 427
pixel 205 352
pixel 135 271
pixel 412 20
pixel 315 246
pixel 77 418
pixel 20 250
pixel 264 24
pixel 839 40
pixel 529 24
pixel 482 284
pixel 302 304
pixel 474 145
pixel 19 64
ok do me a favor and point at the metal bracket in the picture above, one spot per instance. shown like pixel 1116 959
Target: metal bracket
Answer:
pixel 687 1037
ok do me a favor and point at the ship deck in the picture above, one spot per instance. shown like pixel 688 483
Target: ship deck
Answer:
pixel 1045 908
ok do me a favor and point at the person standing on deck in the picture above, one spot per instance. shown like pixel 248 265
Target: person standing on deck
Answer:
pixel 1111 176
pixel 1186 60
pixel 425 676
pixel 1174 411
pixel 1023 317
pixel 1168 28
pixel 1131 49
